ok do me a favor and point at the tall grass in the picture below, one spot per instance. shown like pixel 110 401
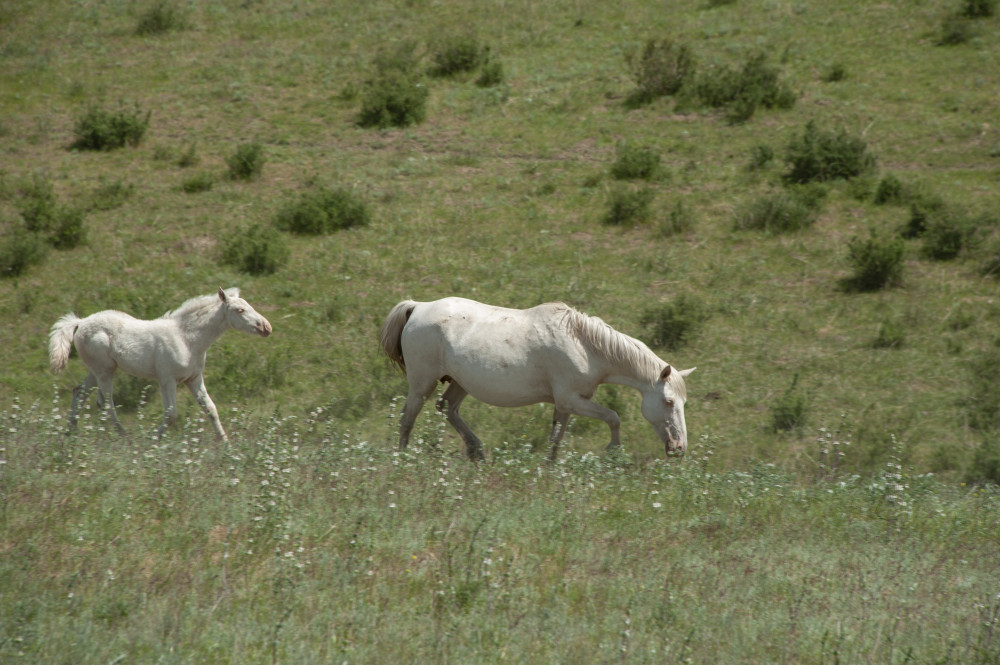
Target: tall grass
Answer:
pixel 304 541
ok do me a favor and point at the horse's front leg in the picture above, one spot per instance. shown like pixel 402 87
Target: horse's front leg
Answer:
pixel 197 388
pixel 584 407
pixel 168 393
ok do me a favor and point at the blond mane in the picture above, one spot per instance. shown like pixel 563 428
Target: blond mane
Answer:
pixel 200 307
pixel 616 347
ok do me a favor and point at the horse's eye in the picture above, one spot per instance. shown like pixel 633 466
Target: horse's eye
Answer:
pixel 670 403
pixel 240 310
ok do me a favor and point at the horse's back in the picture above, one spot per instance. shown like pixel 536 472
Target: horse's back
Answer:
pixel 499 355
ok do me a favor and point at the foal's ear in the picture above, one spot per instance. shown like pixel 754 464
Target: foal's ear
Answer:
pixel 685 372
pixel 222 295
pixel 665 373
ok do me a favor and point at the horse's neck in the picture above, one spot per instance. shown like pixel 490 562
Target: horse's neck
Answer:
pixel 201 332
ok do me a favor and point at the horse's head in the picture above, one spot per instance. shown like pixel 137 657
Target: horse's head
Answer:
pixel 663 407
pixel 241 316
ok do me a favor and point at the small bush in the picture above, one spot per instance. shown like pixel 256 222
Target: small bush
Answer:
pixel 202 181
pixel 741 92
pixel 661 69
pixel 100 129
pixel 923 210
pixel 635 162
pixel 456 54
pixel 877 263
pixel 19 249
pixel 789 412
pixel 189 157
pixel 491 74
pixel 111 194
pixel 322 210
pixel 247 162
pixel 780 212
pixel 985 465
pixel 256 250
pixel 67 229
pixel 160 17
pixel 819 155
pixel 890 191
pixel 979 8
pixel 678 220
pixel 672 324
pixel 946 235
pixel 956 30
pixel 983 403
pixel 628 207
pixel 61 226
pixel 761 156
pixel 835 73
pixel 397 95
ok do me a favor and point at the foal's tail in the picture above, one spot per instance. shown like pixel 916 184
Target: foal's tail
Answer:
pixel 61 340
pixel 392 330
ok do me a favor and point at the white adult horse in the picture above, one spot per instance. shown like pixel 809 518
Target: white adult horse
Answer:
pixel 509 357
pixel 170 349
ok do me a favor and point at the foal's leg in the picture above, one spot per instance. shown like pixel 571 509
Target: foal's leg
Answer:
pixel 197 388
pixel 104 384
pixel 168 393
pixel 449 404
pixel 584 407
pixel 79 394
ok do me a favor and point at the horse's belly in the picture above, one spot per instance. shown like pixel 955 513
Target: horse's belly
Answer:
pixel 502 384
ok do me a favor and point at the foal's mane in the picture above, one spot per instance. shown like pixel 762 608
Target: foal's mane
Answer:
pixel 613 346
pixel 199 307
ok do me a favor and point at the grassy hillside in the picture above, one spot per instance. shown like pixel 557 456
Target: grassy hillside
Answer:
pixel 501 193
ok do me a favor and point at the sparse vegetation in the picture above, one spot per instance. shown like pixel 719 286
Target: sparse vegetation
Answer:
pixel 789 411
pixel 458 53
pixel 160 17
pixel 247 162
pixel 782 211
pixel 635 162
pixel 877 262
pixel 660 69
pixel 628 206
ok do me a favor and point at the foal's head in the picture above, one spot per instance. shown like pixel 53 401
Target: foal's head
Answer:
pixel 241 316
pixel 663 407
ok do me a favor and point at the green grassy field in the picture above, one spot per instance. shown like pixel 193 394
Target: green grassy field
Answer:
pixel 768 540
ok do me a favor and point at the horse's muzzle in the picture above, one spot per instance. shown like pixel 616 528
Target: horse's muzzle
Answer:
pixel 264 328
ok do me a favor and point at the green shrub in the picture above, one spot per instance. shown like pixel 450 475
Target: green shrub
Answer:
pixel 202 181
pixel 111 194
pixel 890 191
pixel 189 157
pixel 100 129
pixel 397 95
pixel 955 30
pixel 19 249
pixel 819 155
pixel 835 73
pixel 66 229
pixel 678 220
pixel 61 226
pixel 455 54
pixel 256 250
pixel 247 162
pixel 323 210
pixel 761 156
pixel 660 69
pixel 946 235
pixel 983 403
pixel 491 74
pixel 979 8
pixel 635 162
pixel 877 263
pixel 672 324
pixel 985 465
pixel 923 210
pixel 780 212
pixel 741 92
pixel 162 16
pixel 628 207
pixel 789 411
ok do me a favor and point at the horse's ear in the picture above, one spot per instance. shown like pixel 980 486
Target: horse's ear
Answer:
pixel 222 295
pixel 685 372
pixel 665 373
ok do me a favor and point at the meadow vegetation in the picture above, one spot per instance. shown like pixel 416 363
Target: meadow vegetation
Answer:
pixel 799 198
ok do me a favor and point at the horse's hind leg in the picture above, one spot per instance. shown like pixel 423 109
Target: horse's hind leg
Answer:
pixel 449 404
pixel 415 399
pixel 168 394
pixel 79 394
pixel 559 420
pixel 104 384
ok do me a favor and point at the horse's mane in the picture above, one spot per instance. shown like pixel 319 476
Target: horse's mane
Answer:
pixel 200 306
pixel 617 347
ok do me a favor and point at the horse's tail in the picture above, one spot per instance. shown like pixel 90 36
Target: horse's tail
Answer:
pixel 61 340
pixel 392 331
